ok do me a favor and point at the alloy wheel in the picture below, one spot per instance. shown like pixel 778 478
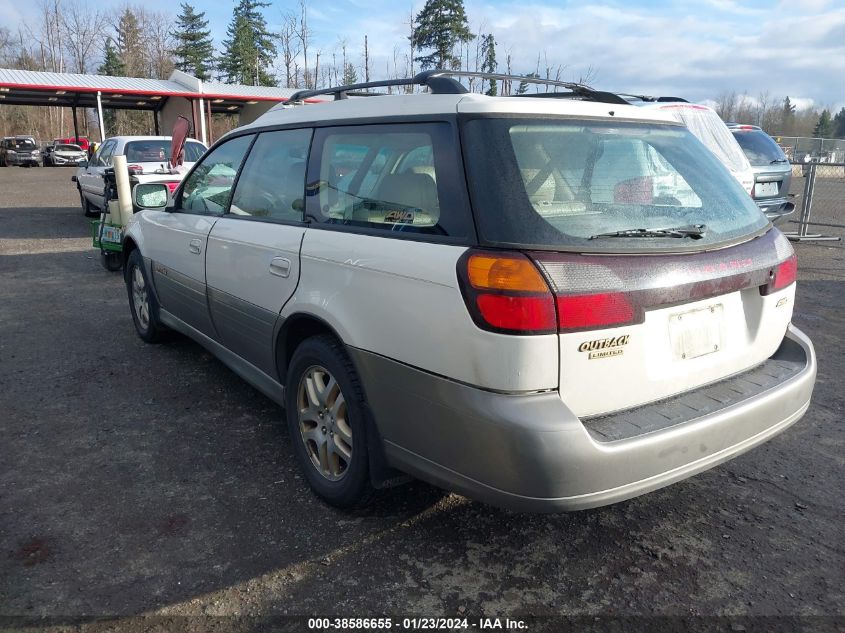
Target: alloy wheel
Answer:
pixel 139 298
pixel 323 423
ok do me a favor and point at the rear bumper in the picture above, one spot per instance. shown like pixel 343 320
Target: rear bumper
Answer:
pixel 778 210
pixel 531 453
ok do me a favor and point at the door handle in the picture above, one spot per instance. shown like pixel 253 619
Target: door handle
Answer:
pixel 195 246
pixel 280 266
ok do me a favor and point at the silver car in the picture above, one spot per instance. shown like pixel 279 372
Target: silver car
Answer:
pixel 544 304
pixel 772 171
pixel 147 158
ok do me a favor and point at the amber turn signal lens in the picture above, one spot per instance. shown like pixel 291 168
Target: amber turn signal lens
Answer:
pixel 514 273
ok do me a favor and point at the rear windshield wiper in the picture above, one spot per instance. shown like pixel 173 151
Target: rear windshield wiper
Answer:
pixel 694 231
pixel 778 160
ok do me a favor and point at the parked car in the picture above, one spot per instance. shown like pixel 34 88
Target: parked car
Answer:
pixel 82 141
pixel 60 155
pixel 772 171
pixel 486 293
pixel 708 128
pixel 147 158
pixel 20 150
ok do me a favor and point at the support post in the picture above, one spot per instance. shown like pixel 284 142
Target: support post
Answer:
pixel 203 132
pixel 75 126
pixel 155 119
pixel 100 115
pixel 210 131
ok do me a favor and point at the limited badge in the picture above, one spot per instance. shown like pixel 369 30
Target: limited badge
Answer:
pixel 604 347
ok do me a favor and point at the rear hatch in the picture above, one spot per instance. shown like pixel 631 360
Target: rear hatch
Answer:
pixel 662 275
pixel 772 171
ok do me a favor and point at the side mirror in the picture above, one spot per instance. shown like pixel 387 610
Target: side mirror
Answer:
pixel 83 163
pixel 151 195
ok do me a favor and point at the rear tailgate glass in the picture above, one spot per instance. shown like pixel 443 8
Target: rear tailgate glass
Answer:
pixel 555 183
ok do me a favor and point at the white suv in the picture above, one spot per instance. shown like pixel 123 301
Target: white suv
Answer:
pixel 542 303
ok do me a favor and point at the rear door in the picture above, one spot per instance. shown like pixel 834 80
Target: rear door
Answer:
pixel 176 239
pixel 252 264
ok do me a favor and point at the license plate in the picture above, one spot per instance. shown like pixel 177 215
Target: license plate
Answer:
pixel 697 332
pixel 112 234
pixel 763 189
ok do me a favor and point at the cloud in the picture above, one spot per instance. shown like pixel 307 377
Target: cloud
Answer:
pixel 10 17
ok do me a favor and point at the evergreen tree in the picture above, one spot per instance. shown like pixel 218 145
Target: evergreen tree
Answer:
pixel 440 26
pixel 194 49
pixel 130 45
pixel 523 85
pixel 112 66
pixel 787 116
pixel 488 65
pixel 350 76
pixel 824 128
pixel 839 124
pixel 249 49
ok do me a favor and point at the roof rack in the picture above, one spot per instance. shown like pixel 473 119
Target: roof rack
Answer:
pixel 440 81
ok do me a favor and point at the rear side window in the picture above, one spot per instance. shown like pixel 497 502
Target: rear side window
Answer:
pixel 759 147
pixel 391 178
pixel 272 183
pixel 550 183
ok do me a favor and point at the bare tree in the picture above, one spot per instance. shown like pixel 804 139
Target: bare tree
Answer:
pixel 726 104
pixel 157 28
pixel 304 35
pixel 289 39
pixel 82 31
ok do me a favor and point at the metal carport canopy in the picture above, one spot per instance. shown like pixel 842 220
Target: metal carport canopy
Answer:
pixel 34 88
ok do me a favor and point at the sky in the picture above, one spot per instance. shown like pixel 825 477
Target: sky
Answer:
pixel 695 49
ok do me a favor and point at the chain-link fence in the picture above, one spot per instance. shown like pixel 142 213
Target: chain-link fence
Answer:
pixel 818 191
pixel 804 148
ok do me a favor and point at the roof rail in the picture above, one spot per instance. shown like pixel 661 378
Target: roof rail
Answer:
pixel 441 81
pixel 435 80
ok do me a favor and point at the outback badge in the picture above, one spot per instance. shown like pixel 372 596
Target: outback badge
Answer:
pixel 604 347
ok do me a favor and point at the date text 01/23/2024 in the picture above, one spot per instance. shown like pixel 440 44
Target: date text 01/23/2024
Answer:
pixel 416 624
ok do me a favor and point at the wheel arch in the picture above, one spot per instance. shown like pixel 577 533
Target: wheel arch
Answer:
pixel 297 328
pixel 129 245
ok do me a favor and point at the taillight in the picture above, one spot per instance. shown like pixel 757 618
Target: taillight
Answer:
pixel 783 275
pixel 135 169
pixel 507 293
pixel 504 292
pixel 596 310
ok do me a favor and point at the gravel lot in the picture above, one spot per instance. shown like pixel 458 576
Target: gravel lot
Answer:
pixel 139 479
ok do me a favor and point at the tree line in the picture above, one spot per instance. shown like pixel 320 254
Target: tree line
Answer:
pixel 131 40
pixel 780 117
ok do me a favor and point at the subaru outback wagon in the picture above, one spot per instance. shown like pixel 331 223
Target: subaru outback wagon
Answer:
pixel 541 303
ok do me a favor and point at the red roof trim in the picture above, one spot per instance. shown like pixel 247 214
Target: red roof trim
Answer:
pixel 130 91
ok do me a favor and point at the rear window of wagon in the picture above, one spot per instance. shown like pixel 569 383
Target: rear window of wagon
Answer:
pixel 554 183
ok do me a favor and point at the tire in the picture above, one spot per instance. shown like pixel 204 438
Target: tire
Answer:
pixel 324 408
pixel 111 261
pixel 88 209
pixel 142 301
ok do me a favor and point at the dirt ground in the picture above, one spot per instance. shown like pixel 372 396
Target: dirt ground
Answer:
pixel 150 480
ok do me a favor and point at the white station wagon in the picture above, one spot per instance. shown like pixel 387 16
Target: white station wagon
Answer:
pixel 542 303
